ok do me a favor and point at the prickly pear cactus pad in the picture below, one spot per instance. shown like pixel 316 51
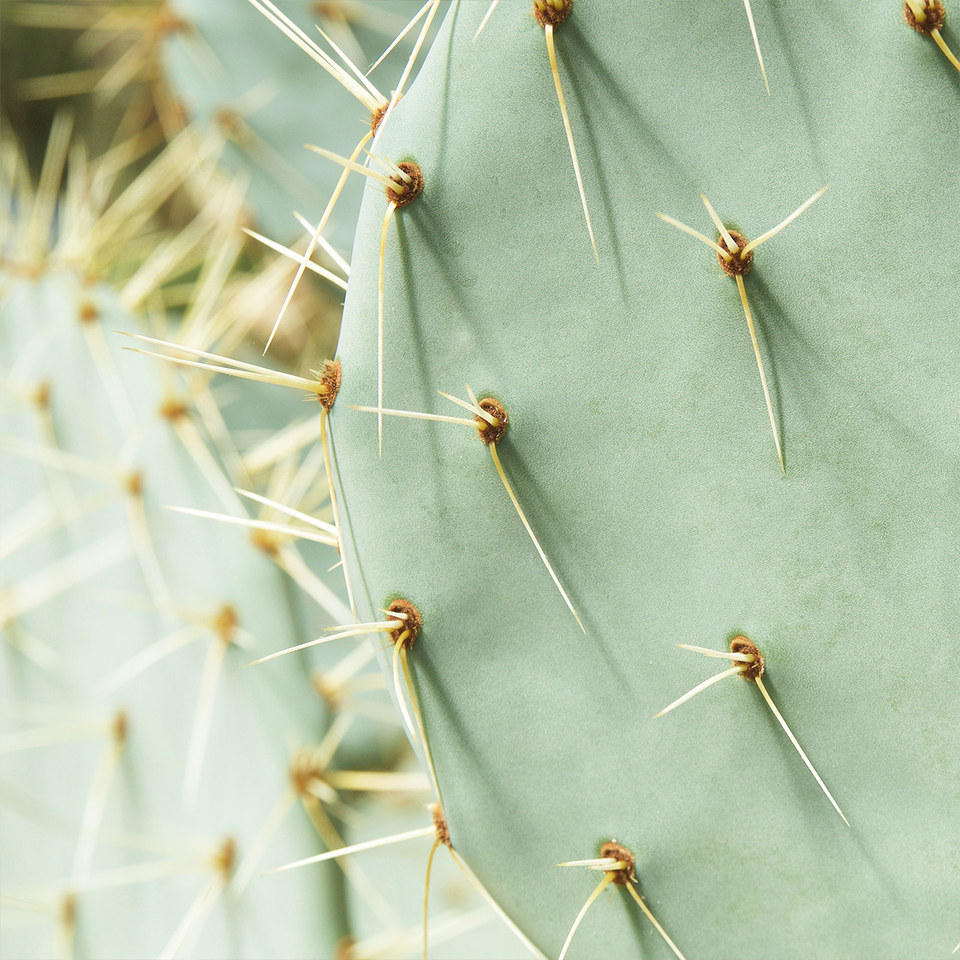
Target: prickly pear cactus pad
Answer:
pixel 640 450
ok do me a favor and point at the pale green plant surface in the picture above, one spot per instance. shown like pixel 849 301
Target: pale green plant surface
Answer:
pixel 232 69
pixel 640 449
pixel 148 777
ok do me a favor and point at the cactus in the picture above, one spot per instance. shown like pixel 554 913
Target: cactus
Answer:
pixel 623 498
pixel 638 457
pixel 149 778
pixel 170 62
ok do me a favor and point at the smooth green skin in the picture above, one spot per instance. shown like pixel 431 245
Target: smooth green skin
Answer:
pixel 249 56
pixel 640 448
pixel 259 714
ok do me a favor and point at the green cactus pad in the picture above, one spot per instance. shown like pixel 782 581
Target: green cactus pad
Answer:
pixel 640 449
